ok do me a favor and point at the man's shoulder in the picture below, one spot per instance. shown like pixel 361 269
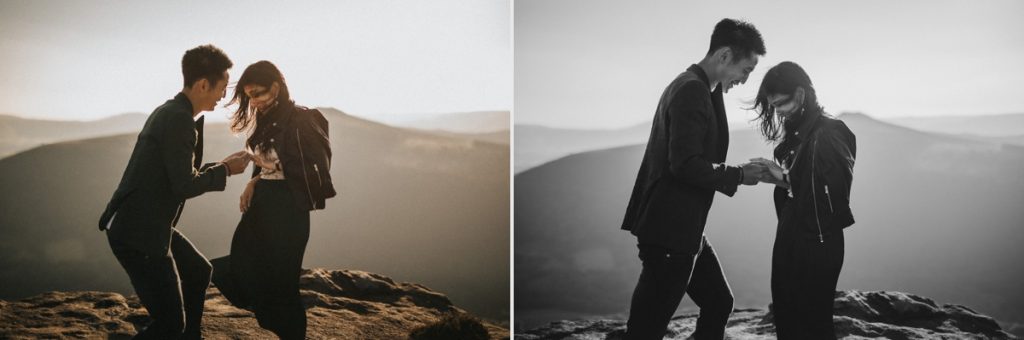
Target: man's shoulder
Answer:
pixel 688 90
pixel 172 107
pixel 689 83
pixel 687 76
pixel 171 112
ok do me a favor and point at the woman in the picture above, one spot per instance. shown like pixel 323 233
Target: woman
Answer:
pixel 292 156
pixel 812 200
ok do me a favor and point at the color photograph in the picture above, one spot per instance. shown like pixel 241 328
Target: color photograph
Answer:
pixel 257 170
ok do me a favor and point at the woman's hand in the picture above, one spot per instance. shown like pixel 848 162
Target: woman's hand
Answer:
pixel 246 198
pixel 774 169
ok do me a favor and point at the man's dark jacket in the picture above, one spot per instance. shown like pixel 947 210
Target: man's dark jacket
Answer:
pixel 682 166
pixel 163 171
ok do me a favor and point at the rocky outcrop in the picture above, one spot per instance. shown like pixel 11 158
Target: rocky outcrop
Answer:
pixel 340 304
pixel 858 315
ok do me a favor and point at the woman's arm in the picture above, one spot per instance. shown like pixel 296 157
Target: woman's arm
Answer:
pixel 835 157
pixel 317 148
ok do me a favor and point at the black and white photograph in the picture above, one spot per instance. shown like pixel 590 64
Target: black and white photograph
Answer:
pixel 768 170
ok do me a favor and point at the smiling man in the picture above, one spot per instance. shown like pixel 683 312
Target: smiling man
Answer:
pixel 680 172
pixel 168 273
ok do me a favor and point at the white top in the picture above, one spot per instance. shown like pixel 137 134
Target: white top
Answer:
pixel 269 162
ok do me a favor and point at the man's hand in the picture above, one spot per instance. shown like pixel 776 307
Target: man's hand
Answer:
pixel 767 178
pixel 246 199
pixel 773 172
pixel 752 172
pixel 237 162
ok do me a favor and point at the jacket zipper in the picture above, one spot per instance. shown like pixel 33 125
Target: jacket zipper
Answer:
pixel 305 176
pixel 814 192
pixel 318 180
pixel 829 198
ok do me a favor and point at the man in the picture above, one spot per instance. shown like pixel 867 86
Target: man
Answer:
pixel 168 273
pixel 680 172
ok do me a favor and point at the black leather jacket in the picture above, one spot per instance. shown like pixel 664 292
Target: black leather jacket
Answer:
pixel 820 156
pixel 301 140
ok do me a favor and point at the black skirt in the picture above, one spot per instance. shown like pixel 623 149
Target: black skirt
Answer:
pixel 262 272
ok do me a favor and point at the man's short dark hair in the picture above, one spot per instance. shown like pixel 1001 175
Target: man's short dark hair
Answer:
pixel 204 62
pixel 739 36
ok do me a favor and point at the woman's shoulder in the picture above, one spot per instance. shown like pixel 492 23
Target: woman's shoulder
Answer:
pixel 836 131
pixel 832 125
pixel 307 114
pixel 309 118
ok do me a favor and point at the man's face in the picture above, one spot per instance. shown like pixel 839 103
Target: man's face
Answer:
pixel 736 73
pixel 213 94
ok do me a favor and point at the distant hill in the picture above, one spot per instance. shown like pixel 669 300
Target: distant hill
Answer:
pixel 411 205
pixel 500 137
pixel 462 122
pixel 18 134
pixel 497 137
pixel 1004 128
pixel 981 125
pixel 1015 140
pixel 536 145
pixel 936 215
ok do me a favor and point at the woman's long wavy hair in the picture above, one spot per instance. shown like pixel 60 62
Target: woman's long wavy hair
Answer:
pixel 262 73
pixel 783 79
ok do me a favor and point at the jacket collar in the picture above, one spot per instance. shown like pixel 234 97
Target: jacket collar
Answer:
pixel 718 105
pixel 197 159
pixel 181 98
pixel 286 111
pixel 280 117
pixel 701 74
pixel 807 125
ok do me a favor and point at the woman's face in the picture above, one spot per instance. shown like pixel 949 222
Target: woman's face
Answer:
pixel 260 97
pixel 787 105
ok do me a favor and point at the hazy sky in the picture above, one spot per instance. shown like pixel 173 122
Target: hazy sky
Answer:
pixel 603 64
pixel 89 59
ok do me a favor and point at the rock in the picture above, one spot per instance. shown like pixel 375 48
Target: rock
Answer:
pixel 896 315
pixel 340 304
pixel 452 327
pixel 858 315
